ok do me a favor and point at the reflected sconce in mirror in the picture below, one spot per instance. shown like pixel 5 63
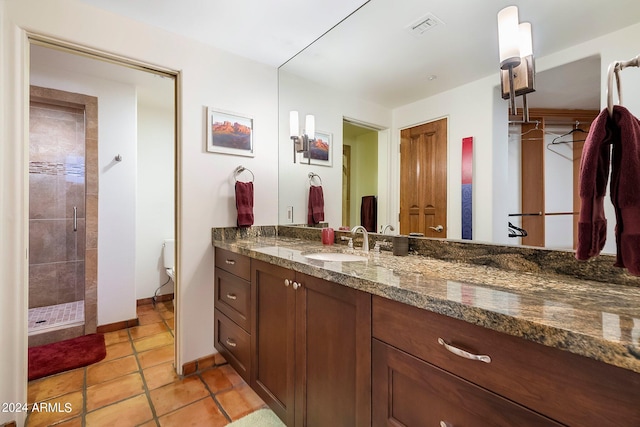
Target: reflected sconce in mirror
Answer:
pixel 517 68
pixel 302 140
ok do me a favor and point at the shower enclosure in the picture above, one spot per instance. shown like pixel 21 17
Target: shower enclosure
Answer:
pixel 61 235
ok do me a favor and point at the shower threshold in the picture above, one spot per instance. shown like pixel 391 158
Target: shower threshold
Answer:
pixel 55 317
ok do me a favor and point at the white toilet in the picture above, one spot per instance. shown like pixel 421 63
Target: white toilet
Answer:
pixel 169 252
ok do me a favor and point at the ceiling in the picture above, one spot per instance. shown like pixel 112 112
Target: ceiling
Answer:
pixel 370 53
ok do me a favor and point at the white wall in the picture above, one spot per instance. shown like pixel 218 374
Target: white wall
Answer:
pixel 208 77
pixel 155 196
pixel 330 108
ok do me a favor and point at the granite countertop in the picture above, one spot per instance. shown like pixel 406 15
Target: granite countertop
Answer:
pixel 593 319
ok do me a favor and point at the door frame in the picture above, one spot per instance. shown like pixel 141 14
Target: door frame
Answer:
pixel 30 38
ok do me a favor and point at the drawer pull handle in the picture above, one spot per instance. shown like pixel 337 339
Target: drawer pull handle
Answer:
pixel 232 296
pixel 230 261
pixel 459 352
pixel 231 343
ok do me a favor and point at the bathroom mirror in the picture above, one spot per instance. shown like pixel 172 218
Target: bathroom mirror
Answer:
pixel 372 72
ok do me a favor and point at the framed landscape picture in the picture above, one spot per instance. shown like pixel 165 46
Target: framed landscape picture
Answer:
pixel 320 150
pixel 229 133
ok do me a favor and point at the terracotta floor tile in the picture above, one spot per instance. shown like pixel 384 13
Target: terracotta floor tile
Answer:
pixel 147 330
pixel 54 386
pixel 203 413
pixel 239 401
pixel 221 378
pixel 219 359
pixel 151 423
pixel 115 351
pixel 130 412
pixel 116 337
pixel 159 375
pixel 106 371
pixel 176 395
pixel 113 391
pixel 171 323
pixel 148 318
pixel 145 309
pixel 75 422
pixel 167 314
pixel 156 356
pixel 154 341
pixel 55 410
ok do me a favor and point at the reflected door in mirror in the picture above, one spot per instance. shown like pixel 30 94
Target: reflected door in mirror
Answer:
pixel 423 179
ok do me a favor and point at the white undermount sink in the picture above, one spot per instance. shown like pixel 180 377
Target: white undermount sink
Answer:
pixel 335 256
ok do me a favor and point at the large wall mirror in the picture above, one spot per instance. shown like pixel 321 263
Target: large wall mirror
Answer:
pixel 393 67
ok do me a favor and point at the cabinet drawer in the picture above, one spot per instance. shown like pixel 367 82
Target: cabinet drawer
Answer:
pixel 233 298
pixel 237 264
pixel 234 344
pixel 550 381
pixel 410 392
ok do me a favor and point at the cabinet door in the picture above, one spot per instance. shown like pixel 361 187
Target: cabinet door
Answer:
pixel 410 392
pixel 333 354
pixel 272 338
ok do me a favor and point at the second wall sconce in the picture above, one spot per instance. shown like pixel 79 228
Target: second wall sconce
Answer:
pixel 301 140
pixel 517 68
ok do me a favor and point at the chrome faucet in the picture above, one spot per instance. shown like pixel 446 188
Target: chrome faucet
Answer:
pixel 390 227
pixel 365 236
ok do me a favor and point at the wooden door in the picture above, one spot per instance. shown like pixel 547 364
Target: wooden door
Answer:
pixel 533 196
pixel 272 339
pixel 423 179
pixel 333 354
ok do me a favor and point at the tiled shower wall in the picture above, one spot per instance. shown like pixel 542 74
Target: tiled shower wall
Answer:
pixel 56 185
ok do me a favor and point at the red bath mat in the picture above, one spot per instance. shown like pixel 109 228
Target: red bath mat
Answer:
pixel 65 355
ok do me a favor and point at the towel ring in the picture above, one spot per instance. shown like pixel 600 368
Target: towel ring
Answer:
pixel 237 171
pixel 314 175
pixel 615 68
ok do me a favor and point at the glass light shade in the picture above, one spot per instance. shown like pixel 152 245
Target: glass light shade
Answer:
pixel 526 44
pixel 293 123
pixel 310 126
pixel 508 37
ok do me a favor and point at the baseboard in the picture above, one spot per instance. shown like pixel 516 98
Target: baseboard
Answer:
pixel 159 298
pixel 203 363
pixel 112 327
pixel 9 424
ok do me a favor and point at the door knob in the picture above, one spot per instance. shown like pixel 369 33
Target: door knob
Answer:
pixel 437 228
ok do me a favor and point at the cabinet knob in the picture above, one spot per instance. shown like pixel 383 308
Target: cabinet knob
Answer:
pixel 287 282
pixel 445 424
pixel 230 342
pixel 297 285
pixel 232 296
pixel 230 261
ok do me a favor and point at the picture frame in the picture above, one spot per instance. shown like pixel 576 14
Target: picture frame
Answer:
pixel 320 150
pixel 229 133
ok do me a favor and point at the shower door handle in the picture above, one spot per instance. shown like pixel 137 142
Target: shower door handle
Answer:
pixel 75 218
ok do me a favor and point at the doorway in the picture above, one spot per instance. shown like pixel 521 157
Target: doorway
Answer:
pixel 423 179
pixel 136 164
pixel 360 174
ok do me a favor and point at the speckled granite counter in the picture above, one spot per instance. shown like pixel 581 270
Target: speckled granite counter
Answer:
pixel 592 319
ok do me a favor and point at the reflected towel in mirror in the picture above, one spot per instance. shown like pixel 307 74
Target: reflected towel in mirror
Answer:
pixel 315 213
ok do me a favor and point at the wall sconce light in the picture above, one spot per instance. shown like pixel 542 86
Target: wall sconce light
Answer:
pixel 517 68
pixel 301 141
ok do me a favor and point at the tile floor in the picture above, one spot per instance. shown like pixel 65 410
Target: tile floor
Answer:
pixel 136 385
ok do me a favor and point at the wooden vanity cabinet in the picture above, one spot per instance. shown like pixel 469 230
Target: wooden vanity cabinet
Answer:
pixel 311 348
pixel 232 314
pixel 525 383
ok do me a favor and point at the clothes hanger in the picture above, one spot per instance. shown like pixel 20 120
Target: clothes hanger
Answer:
pixel 571 132
pixel 517 231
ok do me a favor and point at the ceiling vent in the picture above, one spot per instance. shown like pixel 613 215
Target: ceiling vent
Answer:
pixel 419 27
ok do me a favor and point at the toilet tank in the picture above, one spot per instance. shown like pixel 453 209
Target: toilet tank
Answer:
pixel 169 252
